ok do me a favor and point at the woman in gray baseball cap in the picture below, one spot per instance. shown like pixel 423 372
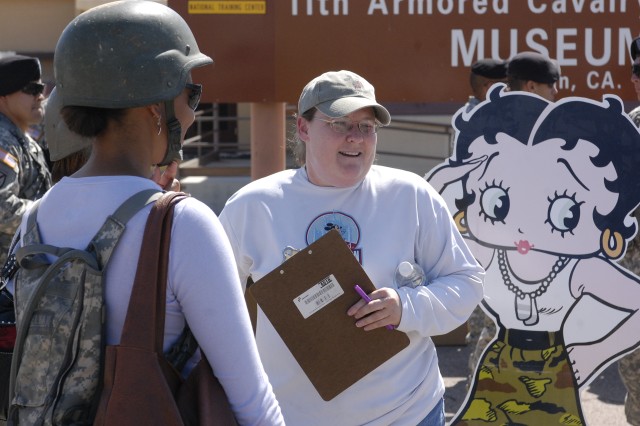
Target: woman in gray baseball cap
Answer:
pixel 386 216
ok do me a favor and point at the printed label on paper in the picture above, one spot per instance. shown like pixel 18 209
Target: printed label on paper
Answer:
pixel 318 296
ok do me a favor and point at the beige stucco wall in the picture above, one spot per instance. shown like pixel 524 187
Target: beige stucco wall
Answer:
pixel 83 5
pixel 32 27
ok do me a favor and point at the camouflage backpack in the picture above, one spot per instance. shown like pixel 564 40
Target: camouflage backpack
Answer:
pixel 56 370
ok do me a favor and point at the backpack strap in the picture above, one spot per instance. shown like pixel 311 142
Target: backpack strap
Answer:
pixel 102 244
pixel 32 236
pixel 134 203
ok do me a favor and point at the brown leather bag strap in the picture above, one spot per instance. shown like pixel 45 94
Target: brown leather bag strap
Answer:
pixel 252 305
pixel 147 304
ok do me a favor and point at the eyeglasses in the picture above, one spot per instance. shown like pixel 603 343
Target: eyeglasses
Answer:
pixel 33 89
pixel 195 91
pixel 343 127
pixel 635 70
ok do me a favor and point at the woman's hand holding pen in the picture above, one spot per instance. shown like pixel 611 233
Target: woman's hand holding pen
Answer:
pixel 383 310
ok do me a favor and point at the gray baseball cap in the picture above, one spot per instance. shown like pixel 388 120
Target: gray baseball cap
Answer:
pixel 339 93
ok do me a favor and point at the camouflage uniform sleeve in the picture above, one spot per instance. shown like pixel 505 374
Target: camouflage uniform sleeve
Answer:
pixel 631 259
pixel 635 116
pixel 629 365
pixel 12 207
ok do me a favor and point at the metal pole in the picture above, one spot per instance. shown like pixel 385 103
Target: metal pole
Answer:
pixel 268 138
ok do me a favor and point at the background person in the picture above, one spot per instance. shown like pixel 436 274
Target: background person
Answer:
pixel 535 73
pixel 138 119
pixel 484 74
pixel 387 216
pixel 68 151
pixel 24 175
pixel 629 366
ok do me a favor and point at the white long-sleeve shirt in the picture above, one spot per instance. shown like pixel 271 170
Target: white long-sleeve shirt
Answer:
pixel 391 216
pixel 202 287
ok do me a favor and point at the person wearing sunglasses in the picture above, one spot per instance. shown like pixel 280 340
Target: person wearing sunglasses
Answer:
pixel 629 365
pixel 137 119
pixel 386 216
pixel 24 174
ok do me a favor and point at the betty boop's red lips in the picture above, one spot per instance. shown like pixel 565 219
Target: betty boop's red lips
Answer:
pixel 523 246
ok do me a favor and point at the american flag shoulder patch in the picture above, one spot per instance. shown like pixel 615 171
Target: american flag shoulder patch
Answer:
pixel 8 159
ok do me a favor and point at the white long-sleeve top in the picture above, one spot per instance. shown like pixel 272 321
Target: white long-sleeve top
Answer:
pixel 389 217
pixel 202 287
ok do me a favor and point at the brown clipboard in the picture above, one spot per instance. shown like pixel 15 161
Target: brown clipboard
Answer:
pixel 331 350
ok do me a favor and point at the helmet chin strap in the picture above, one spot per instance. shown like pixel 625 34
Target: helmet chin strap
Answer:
pixel 174 147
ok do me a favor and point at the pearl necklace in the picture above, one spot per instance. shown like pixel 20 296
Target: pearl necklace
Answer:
pixel 528 312
pixel 503 264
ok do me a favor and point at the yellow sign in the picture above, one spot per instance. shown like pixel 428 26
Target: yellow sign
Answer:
pixel 227 7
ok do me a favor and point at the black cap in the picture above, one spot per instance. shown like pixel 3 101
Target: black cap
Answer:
pixel 16 71
pixel 495 69
pixel 533 66
pixel 635 48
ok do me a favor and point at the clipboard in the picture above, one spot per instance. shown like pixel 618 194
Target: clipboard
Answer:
pixel 306 299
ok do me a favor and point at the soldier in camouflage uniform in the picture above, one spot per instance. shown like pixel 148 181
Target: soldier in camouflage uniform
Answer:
pixel 24 176
pixel 629 366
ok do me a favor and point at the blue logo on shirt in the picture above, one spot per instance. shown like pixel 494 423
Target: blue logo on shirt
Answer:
pixel 344 223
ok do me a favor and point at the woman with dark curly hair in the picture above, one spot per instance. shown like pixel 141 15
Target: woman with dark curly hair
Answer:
pixel 546 207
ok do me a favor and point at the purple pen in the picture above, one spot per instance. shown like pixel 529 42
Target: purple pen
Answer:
pixel 367 299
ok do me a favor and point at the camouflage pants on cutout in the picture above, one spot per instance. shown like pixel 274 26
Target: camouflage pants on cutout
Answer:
pixel 524 379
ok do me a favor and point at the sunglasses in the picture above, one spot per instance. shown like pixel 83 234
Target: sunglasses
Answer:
pixel 195 91
pixel 33 89
pixel 343 127
pixel 635 70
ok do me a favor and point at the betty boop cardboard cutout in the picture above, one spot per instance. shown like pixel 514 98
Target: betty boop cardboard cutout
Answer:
pixel 544 194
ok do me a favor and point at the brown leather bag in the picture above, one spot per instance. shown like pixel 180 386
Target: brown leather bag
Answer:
pixel 140 385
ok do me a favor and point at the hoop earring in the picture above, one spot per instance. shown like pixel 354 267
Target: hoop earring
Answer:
pixel 612 251
pixel 159 124
pixel 460 221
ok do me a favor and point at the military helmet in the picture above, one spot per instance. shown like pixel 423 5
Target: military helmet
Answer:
pixel 125 54
pixel 60 140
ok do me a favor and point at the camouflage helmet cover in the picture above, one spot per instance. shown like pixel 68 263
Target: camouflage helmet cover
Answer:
pixel 125 54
